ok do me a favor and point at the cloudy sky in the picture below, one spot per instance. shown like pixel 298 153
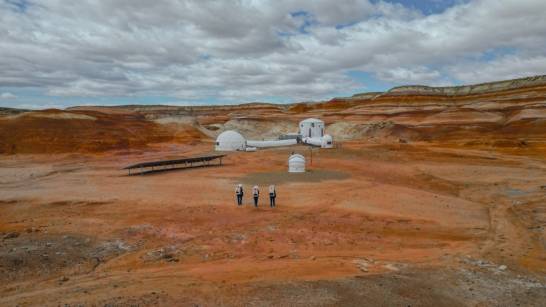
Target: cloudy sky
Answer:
pixel 58 53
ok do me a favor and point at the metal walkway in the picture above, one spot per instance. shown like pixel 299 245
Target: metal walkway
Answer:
pixel 167 165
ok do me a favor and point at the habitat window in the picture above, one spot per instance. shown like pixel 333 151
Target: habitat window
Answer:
pixel 329 142
pixel 218 143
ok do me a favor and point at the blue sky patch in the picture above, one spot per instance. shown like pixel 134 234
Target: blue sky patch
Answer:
pixel 427 7
pixel 20 6
pixel 496 53
pixel 369 82
pixel 308 20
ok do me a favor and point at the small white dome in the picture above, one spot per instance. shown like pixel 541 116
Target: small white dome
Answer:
pixel 296 164
pixel 230 141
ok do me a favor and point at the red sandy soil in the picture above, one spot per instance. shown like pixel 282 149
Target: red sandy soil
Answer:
pixel 406 224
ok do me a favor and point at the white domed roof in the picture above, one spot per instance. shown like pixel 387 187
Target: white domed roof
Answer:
pixel 296 157
pixel 230 134
pixel 311 120
pixel 230 141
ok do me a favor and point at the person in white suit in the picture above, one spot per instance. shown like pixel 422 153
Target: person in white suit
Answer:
pixel 256 194
pixel 272 196
pixel 239 193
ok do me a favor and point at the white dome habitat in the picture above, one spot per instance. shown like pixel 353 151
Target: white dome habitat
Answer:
pixel 230 141
pixel 311 128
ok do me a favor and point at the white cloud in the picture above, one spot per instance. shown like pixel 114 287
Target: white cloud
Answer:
pixel 249 50
pixel 418 74
pixel 7 95
pixel 509 67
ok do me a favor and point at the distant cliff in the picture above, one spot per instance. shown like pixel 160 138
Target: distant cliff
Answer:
pixel 482 88
pixel 474 89
pixel 11 111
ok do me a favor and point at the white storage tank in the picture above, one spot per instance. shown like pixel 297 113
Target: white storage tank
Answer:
pixel 311 128
pixel 327 141
pixel 230 141
pixel 296 164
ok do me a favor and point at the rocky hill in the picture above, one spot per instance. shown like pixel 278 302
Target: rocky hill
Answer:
pixel 510 114
pixel 506 113
pixel 56 131
pixel 11 111
pixel 482 88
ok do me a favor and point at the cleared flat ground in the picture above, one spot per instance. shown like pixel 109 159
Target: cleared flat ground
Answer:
pixel 389 225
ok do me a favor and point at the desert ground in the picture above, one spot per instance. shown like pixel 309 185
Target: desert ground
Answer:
pixel 425 201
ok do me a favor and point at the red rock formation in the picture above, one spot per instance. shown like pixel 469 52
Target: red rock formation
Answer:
pixel 509 114
pixel 55 131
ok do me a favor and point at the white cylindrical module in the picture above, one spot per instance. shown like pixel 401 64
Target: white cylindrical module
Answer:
pixel 271 143
pixel 313 141
pixel 230 141
pixel 311 128
pixel 250 149
pixel 296 164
